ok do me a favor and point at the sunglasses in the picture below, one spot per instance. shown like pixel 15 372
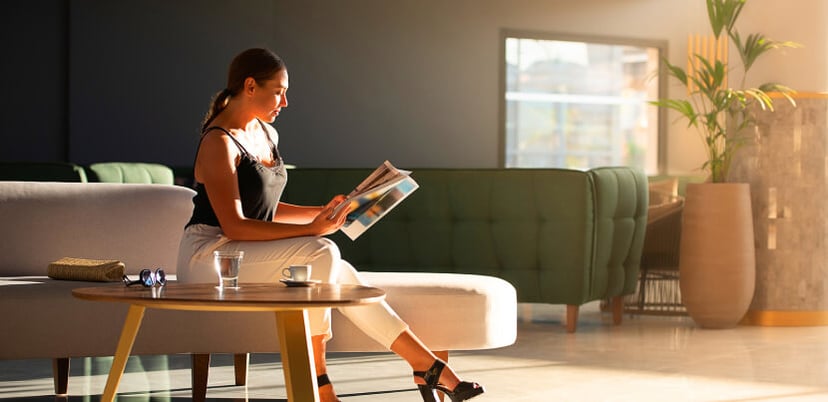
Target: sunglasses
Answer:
pixel 147 278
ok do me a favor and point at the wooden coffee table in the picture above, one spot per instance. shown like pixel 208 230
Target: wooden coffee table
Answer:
pixel 290 305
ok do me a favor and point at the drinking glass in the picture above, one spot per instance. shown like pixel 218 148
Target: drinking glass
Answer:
pixel 227 267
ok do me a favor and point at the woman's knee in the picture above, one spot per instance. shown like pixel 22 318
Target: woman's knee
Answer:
pixel 325 248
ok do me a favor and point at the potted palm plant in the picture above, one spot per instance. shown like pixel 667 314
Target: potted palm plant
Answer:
pixel 717 255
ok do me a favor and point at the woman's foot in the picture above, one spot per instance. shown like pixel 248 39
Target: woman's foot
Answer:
pixel 326 391
pixel 440 377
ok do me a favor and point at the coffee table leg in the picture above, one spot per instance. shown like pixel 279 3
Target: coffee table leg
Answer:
pixel 128 333
pixel 297 356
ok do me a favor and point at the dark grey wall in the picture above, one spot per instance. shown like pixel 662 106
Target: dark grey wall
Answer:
pixel 143 72
pixel 33 78
pixel 140 75
pixel 130 80
pixel 410 81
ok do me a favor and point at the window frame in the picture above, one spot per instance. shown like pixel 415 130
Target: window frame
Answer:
pixel 661 45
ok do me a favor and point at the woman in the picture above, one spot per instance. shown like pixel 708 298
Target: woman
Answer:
pixel 239 180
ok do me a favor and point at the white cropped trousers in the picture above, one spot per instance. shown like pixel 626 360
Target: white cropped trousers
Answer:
pixel 263 262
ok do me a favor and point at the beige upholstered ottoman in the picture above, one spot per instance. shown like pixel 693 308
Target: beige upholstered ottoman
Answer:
pixel 446 311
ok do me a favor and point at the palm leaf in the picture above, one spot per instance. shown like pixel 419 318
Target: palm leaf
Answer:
pixel 682 106
pixel 676 72
pixel 756 45
pixel 710 77
pixel 783 90
pixel 723 14
pixel 765 101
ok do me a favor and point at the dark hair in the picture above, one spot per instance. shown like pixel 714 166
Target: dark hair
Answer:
pixel 260 64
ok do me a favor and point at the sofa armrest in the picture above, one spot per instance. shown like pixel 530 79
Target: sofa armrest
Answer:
pixel 621 221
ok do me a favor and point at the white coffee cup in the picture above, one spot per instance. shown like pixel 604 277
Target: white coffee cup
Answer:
pixel 297 273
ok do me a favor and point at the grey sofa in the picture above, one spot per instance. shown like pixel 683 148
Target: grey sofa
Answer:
pixel 141 224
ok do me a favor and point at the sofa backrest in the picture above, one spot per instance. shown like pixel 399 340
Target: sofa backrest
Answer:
pixel 42 171
pixel 130 172
pixel 558 235
pixel 104 172
pixel 139 224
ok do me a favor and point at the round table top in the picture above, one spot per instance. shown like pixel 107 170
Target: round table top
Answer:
pixel 248 297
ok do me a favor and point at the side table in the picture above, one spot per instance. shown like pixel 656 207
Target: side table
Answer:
pixel 289 304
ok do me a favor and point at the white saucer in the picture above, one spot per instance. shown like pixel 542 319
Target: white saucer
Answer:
pixel 291 283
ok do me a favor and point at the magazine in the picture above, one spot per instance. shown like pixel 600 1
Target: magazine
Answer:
pixel 374 197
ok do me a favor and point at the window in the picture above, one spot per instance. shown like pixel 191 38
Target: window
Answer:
pixel 579 103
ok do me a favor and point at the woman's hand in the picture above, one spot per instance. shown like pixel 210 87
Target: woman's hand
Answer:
pixel 326 222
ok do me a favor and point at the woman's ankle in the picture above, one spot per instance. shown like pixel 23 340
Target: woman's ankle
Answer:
pixel 326 391
pixel 448 377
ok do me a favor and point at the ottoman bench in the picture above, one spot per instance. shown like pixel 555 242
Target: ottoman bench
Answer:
pixel 446 311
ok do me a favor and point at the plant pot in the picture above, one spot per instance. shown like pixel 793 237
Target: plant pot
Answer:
pixel 717 261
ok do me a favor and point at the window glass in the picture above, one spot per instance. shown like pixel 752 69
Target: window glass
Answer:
pixel 580 104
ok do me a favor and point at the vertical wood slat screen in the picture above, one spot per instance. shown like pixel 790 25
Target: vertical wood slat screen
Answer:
pixel 709 47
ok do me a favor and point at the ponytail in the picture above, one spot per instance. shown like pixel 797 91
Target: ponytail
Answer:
pixel 220 101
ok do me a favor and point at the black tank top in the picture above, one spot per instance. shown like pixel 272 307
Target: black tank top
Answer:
pixel 260 186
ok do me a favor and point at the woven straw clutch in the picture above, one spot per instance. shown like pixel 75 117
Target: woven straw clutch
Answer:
pixel 84 269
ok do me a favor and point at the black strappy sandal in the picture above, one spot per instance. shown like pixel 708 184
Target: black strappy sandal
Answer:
pixel 323 380
pixel 463 391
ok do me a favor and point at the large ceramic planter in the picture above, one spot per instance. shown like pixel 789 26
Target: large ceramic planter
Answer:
pixel 717 262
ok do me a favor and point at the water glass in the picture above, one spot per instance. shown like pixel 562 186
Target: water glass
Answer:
pixel 227 267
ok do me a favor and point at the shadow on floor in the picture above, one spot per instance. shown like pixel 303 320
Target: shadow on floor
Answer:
pixel 137 398
pixel 167 398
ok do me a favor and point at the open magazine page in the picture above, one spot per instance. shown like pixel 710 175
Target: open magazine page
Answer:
pixel 380 192
pixel 380 180
pixel 374 205
pixel 385 173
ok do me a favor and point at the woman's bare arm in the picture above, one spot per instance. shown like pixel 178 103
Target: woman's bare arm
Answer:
pixel 296 214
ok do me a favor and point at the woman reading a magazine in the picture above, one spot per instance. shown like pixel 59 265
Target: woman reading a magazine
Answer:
pixel 239 178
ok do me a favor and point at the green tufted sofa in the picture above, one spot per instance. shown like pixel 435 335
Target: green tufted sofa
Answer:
pixel 559 236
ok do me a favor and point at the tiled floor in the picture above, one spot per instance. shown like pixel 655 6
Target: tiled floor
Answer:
pixel 646 359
